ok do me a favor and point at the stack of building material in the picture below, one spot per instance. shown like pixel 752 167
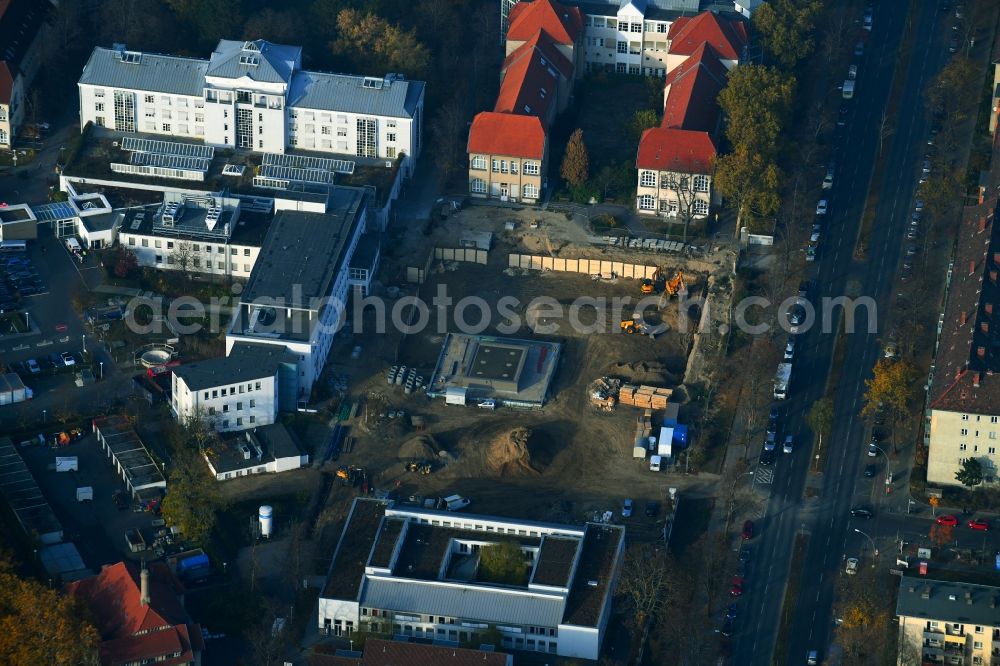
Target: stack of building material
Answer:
pixel 648 397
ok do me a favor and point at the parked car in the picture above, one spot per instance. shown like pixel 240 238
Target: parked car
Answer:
pixel 821 207
pixel 737 587
pixel 627 509
pixel 33 366
pixel 787 446
pixel 947 520
pixel 790 349
pixel 871 471
pixel 67 359
pixel 732 612
pixel 979 525
pixel 770 442
pixel 872 449
pixel 767 458
pixel 747 530
pixel 852 566
pixel 861 512
pixel 828 178
pixel 652 509
pixel 859 49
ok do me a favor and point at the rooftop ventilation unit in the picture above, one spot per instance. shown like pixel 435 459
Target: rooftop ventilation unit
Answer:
pixel 372 82
pixel 171 214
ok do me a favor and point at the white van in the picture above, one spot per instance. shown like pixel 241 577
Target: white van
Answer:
pixel 654 463
pixel 73 245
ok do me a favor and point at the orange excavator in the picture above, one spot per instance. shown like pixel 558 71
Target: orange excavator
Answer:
pixel 675 285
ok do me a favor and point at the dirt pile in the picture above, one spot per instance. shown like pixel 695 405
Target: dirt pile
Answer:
pixel 421 447
pixel 653 373
pixel 509 454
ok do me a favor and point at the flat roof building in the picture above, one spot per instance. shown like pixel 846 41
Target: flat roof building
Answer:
pixel 25 498
pixel 266 449
pixel 515 372
pixel 130 457
pixel 414 572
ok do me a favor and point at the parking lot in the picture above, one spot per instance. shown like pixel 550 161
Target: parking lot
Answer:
pixel 19 279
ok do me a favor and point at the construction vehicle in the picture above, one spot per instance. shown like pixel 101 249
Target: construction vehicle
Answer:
pixel 675 284
pixel 647 286
pixel 421 467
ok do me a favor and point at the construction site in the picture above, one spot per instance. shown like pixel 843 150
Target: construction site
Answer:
pixel 511 415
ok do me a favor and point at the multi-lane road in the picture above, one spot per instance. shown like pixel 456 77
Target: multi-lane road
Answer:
pixel 827 519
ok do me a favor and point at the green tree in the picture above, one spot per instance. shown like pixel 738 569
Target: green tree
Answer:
pixel 192 495
pixel 820 418
pixel 971 473
pixel 786 28
pixel 576 163
pixel 641 121
pixel 40 626
pixel 750 182
pixel 502 562
pixel 891 385
pixel 757 101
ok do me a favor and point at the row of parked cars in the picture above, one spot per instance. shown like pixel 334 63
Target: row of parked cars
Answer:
pixel 50 364
pixel 18 278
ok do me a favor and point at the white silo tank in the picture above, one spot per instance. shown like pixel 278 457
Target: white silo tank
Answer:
pixel 265 520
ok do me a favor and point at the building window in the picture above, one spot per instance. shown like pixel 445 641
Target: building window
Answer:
pixel 503 166
pixel 513 166
pixel 700 207
pixel 647 202
pixel 637 27
pixel 965 417
pixel 633 69
pixel 239 420
pixel 99 93
pixel 211 411
pixel 131 241
pixel 963 447
pixel 530 191
pixel 647 178
pixel 992 450
pixel 621 68
pixel 496 166
pixel 661 27
pixel 622 47
pixel 253 403
pixel 964 431
pixel 478 186
pixel 390 152
pixel 325 130
pixel 391 137
pixel 342 131
pixel 124 111
pixel 531 168
pixel 150 99
pixel 145 242
pixel 253 419
pixel 367 137
pixel 635 48
pixel 99 107
pixel 99 120
pixel 166 127
pixel 700 183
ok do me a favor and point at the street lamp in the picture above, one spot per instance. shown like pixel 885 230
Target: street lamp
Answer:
pixel 43 416
pixel 874 549
pixel 101 365
pixel 888 474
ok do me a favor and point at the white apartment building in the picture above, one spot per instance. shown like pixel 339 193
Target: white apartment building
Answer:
pixel 235 392
pixel 943 622
pixel 253 95
pixel 415 572
pixel 298 290
pixel 269 449
pixel 628 36
pixel 194 233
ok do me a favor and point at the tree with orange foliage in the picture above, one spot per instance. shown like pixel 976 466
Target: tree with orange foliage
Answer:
pixel 39 626
pixel 942 535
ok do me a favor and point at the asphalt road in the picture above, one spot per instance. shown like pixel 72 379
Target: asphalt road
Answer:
pixel 826 519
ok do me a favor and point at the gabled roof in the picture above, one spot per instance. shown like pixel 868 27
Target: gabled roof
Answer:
pixel 694 85
pixel 967 364
pixel 561 23
pixel 155 645
pixel 113 599
pixel 529 83
pixel 374 96
pixel 728 37
pixel 259 60
pixel 6 83
pixel 678 150
pixel 549 52
pixel 19 24
pixel 507 134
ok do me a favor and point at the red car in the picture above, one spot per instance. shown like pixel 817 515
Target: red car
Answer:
pixel 947 521
pixel 748 530
pixel 979 525
pixel 61 328
pixel 737 589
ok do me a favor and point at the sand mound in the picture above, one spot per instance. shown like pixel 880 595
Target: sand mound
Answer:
pixel 643 372
pixel 509 454
pixel 421 447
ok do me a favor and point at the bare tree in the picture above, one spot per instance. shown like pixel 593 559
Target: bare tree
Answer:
pixel 183 255
pixel 644 581
pixel 270 638
pixel 682 185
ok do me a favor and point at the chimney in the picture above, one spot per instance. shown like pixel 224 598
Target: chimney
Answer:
pixel 144 585
pixel 972 267
pixel 984 326
pixel 968 598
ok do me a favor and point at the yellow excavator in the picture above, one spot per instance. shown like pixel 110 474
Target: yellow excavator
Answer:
pixel 647 286
pixel 675 284
pixel 671 287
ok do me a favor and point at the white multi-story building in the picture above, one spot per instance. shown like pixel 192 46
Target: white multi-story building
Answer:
pixel 253 95
pixel 194 233
pixel 415 572
pixel 298 289
pixel 630 36
pixel 245 389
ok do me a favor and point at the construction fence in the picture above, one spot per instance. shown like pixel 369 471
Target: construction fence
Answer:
pixel 601 267
pixel 418 274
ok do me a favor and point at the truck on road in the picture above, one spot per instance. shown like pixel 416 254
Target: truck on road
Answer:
pixel 781 379
pixel 847 92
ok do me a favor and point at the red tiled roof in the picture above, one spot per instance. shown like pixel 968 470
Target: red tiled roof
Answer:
pixel 563 24
pixel 6 83
pixel 528 85
pixel 547 49
pixel 728 37
pixel 967 367
pixel 694 85
pixel 507 134
pixel 113 599
pixel 669 149
pixel 378 652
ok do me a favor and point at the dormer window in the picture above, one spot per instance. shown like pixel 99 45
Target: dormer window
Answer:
pixel 250 61
pixel 527 109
